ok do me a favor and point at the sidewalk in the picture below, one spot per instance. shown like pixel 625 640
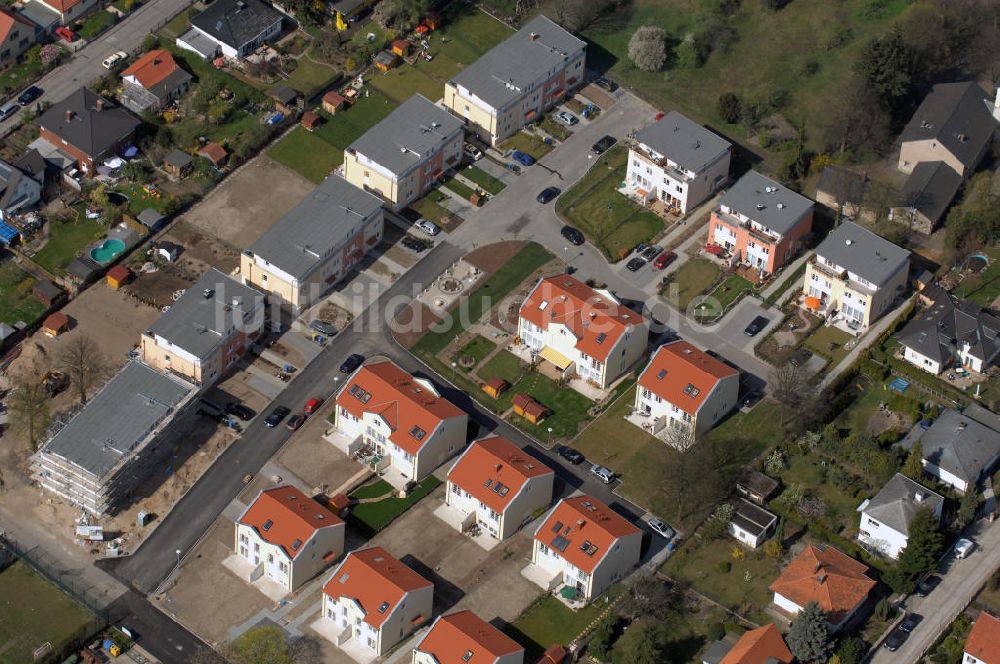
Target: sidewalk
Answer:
pixel 870 336
pixel 786 274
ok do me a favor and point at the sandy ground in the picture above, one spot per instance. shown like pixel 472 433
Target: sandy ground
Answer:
pixel 246 204
pixel 315 461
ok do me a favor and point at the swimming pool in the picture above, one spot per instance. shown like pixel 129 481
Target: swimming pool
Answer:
pixel 107 250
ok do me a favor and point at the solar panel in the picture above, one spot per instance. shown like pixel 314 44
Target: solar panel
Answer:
pixel 559 543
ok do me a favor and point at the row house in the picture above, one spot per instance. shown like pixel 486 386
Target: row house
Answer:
pixel 465 638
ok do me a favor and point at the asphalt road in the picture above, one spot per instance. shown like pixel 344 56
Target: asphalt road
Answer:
pixel 85 65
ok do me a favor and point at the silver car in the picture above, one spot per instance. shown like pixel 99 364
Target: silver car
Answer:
pixel 662 529
pixel 606 475
pixel 427 226
pixel 565 118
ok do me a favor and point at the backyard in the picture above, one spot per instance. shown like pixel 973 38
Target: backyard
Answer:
pixel 429 207
pixel 28 69
pixel 689 281
pixel 548 621
pixel 721 298
pixel 307 154
pixel 567 407
pixel 828 342
pixel 610 220
pixel 16 301
pixel 95 23
pixel 485 181
pixel 66 238
pixel 529 143
pixel 371 517
pixel 984 287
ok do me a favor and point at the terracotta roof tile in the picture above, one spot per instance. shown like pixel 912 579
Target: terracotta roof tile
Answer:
pixel 683 375
pixel 465 638
pixel 62 6
pixel 374 579
pixel 8 20
pixel 828 577
pixel 582 519
pixel 495 462
pixel 152 68
pixel 984 639
pixel 759 646
pixel 293 516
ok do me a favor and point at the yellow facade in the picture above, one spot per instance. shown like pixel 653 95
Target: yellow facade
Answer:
pixel 369 179
pixel 163 359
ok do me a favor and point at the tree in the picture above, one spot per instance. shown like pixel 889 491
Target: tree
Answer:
pixel 795 391
pixel 886 65
pixel 27 405
pixel 692 476
pixel 645 642
pixel 577 15
pixel 967 507
pixel 648 48
pixel 859 121
pixel 923 547
pixel 261 645
pixel 850 650
pixel 914 465
pixel 400 14
pixel 728 107
pixel 50 55
pixel 651 597
pixel 83 362
pixel 599 646
pixel 808 637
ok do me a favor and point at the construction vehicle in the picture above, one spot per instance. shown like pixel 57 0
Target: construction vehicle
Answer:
pixel 54 382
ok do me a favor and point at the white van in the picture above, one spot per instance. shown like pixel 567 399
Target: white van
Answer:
pixel 8 110
pixel 963 548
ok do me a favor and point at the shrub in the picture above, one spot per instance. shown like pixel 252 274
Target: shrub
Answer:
pixel 728 107
pixel 716 631
pixel 648 48
pixel 724 566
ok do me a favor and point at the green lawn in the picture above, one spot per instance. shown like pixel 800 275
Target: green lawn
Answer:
pixel 528 143
pixel 554 129
pixel 984 287
pixel 307 154
pixel 310 77
pixel 460 188
pixel 139 199
pixel 485 181
pixel 376 489
pixel 17 76
pixel 503 365
pixel 477 349
pixel 16 301
pixel 429 209
pixel 32 612
pixel 66 238
pixel 406 80
pixel 609 220
pixel 548 622
pixel 793 280
pixel 567 407
pixel 841 501
pixel 96 23
pixel 348 125
pixel 828 342
pixel 180 24
pixel 725 294
pixel 691 280
pixel 370 518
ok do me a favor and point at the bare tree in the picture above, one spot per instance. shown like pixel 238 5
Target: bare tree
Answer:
pixel 795 391
pixel 27 406
pixel 691 476
pixel 648 48
pixel 83 362
pixel 880 197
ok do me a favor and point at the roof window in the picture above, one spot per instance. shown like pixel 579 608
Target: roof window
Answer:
pixel 601 337
pixel 662 374
pixel 542 305
pixel 296 544
pixel 383 607
pixel 418 433
pixel 267 525
pixel 467 656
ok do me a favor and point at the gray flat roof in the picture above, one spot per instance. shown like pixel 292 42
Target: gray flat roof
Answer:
pixel 862 252
pixel 119 418
pixel 199 42
pixel 683 141
pixel 405 137
pixel 898 501
pixel 324 219
pixel 501 74
pixel 237 22
pixel 751 518
pixel 768 203
pixel 206 312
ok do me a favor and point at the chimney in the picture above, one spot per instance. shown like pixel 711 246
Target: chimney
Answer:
pixel 99 104
pixel 533 36
pixel 69 115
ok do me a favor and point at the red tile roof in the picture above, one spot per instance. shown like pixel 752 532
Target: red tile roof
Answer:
pixel 553 655
pixel 596 321
pixel 294 516
pixel 683 375
pixel 527 404
pixel 495 462
pixel 152 68
pixel 829 577
pixel 333 98
pixel 763 645
pixel 374 579
pixel 62 6
pixel 8 20
pixel 214 152
pixel 984 639
pixel 465 638
pixel 56 321
pixel 407 405
pixel 584 519
pixel 119 273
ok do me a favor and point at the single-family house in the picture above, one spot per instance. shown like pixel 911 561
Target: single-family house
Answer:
pixel 232 28
pixel 764 645
pixel 983 643
pixel 372 601
pixel 838 583
pixel 65 11
pixel 925 197
pixel 288 537
pixel 583 332
pixel 761 223
pixel 956 449
pixel 950 333
pixel 405 154
pixel 206 331
pixel 494 484
pixel 403 418
pixel 88 128
pixel 885 519
pixel 518 80
pixel 841 190
pixel 17 34
pixel 684 389
pixel 855 274
pixel 677 162
pixel 583 545
pixel 465 638
pixel 153 81
pixel 751 524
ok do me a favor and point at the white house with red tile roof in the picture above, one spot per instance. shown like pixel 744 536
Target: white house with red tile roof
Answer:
pixel 152 81
pixel 465 638
pixel 496 485
pixel 17 34
pixel 983 644
pixel 288 537
pixel 403 418
pixel 583 544
pixel 684 389
pixel 371 602
pixel 583 332
pixel 67 10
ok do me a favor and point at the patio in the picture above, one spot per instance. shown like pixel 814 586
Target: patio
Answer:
pixel 245 570
pixel 648 200
pixel 549 370
pixel 545 579
pixel 341 637
pixel 465 523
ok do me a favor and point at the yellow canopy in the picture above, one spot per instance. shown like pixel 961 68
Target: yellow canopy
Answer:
pixel 555 357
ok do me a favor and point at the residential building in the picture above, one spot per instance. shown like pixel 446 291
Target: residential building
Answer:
pixel 983 643
pixel 315 245
pixel 950 333
pixel 207 330
pixel 764 645
pixel 404 419
pixel 677 162
pixel 401 157
pixel 498 487
pixel 232 28
pixel 288 537
pixel 583 332
pixel 88 128
pixel 751 524
pixel 856 274
pixel 372 601
pixel 885 519
pixel 19 191
pixel 465 638
pixel 153 81
pixel 957 449
pixel 518 80
pixel 107 449
pixel 838 583
pixel 686 390
pixel 584 545
pixel 842 190
pixel 17 34
pixel 65 11
pixel 926 195
pixel 761 223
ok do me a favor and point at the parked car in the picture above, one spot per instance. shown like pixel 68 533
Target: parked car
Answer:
pixel 635 264
pixel 894 640
pixel 606 475
pixel 240 411
pixel 323 327
pixel 603 145
pixel 571 455
pixel 472 152
pixel 295 421
pixel 114 59
pixel 29 95
pixel 548 194
pixel 963 548
pixel 312 406
pixel 522 157
pixel 651 252
pixel 274 418
pixel 565 118
pixel 910 622
pixel 427 226
pixel 574 236
pixel 8 109
pixel 605 84
pixel 755 326
pixel 413 243
pixel 65 33
pixel 664 259
pixel 662 529
pixel 928 584
pixel 751 399
pixel 352 362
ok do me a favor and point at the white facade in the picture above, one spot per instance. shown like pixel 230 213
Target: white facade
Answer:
pixel 723 397
pixel 347 616
pixel 534 494
pixel 662 178
pixel 921 361
pixel 272 560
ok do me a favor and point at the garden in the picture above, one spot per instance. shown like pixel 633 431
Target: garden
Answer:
pixel 829 342
pixel 16 301
pixel 529 143
pixel 307 154
pixel 69 234
pixel 484 180
pixel 429 208
pixel 721 299
pixel 690 280
pixel 381 505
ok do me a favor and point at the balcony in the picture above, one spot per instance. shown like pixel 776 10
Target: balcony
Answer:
pixel 660 162
pixel 735 222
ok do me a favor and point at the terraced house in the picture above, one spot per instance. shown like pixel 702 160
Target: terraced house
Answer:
pixel 518 80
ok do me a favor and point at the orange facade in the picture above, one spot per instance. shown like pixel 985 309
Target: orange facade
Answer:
pixel 759 250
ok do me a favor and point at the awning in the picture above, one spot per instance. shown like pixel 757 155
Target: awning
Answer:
pixel 555 357
pixel 530 114
pixel 813 303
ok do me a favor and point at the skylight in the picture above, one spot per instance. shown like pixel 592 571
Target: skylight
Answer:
pixel 662 374
pixel 559 543
pixel 296 544
pixel 267 525
pixel 417 432
pixel 556 528
pixel 383 607
pixel 467 656
pixel 488 483
pixel 542 305
pixel 344 577
pixel 601 337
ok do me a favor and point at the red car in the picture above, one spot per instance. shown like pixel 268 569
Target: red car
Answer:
pixel 66 33
pixel 312 406
pixel 664 259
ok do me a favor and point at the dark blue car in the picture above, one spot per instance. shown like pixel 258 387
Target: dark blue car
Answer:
pixel 523 157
